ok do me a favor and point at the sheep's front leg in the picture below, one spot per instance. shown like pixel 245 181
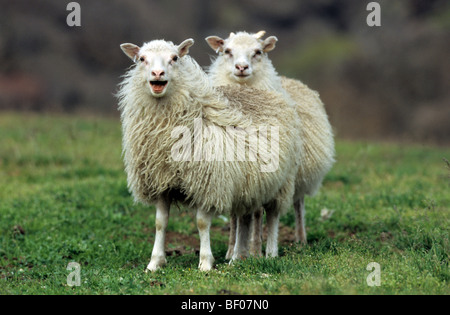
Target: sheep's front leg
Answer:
pixel 300 230
pixel 203 224
pixel 162 218
pixel 242 237
pixel 273 218
pixel 232 237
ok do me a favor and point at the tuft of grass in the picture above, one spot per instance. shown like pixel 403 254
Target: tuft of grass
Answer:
pixel 64 198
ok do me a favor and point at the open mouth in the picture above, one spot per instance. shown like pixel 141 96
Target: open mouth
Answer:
pixel 158 86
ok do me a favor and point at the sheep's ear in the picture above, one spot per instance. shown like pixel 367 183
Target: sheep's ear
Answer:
pixel 269 43
pixel 260 34
pixel 131 50
pixel 183 48
pixel 215 42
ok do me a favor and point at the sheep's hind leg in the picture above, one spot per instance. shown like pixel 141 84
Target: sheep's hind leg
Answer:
pixel 273 218
pixel 300 230
pixel 203 224
pixel 242 237
pixel 232 238
pixel 256 230
pixel 162 218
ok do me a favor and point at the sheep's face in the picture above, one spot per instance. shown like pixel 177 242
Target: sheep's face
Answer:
pixel 242 53
pixel 157 61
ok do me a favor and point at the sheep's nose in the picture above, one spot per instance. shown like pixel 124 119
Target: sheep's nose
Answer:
pixel 158 73
pixel 242 68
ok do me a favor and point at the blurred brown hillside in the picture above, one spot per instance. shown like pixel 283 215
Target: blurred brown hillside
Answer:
pixel 388 82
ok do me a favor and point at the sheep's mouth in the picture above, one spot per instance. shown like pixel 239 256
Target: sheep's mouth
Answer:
pixel 158 86
pixel 242 76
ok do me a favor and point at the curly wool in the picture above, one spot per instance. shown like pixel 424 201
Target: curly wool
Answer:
pixel 219 186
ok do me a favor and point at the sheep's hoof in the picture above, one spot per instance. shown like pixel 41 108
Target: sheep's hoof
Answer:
pixel 229 254
pixel 237 257
pixel 206 264
pixel 272 254
pixel 155 264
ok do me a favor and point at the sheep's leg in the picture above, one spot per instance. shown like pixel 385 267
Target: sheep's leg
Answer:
pixel 256 239
pixel 203 224
pixel 162 218
pixel 232 238
pixel 300 230
pixel 273 218
pixel 242 237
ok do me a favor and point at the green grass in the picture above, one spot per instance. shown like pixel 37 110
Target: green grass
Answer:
pixel 63 198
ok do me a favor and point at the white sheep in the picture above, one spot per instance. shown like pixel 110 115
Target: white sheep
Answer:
pixel 243 61
pixel 176 126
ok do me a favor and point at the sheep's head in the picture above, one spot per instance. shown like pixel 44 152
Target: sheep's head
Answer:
pixel 243 53
pixel 156 61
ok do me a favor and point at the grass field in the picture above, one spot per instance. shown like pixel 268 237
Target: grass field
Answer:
pixel 63 198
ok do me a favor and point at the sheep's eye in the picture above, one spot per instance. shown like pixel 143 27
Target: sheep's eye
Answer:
pixel 174 58
pixel 258 52
pixel 142 59
pixel 228 52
